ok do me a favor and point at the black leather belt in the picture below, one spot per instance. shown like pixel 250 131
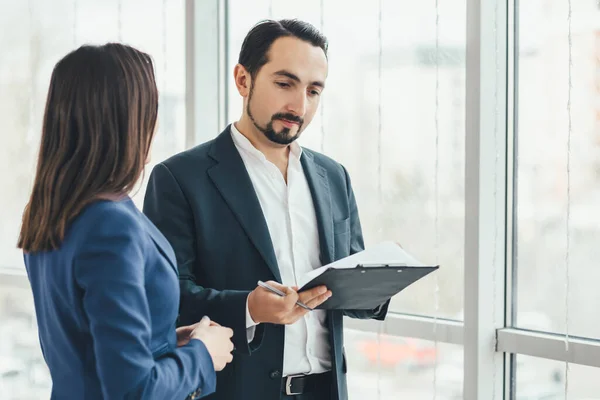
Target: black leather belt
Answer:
pixel 299 384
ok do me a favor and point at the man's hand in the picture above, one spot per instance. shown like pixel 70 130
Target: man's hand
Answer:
pixel 265 306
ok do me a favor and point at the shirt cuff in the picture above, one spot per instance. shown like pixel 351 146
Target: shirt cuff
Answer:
pixel 250 325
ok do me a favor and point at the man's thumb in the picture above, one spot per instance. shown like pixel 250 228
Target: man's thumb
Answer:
pixel 291 296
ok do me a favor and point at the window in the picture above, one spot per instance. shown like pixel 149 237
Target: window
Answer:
pixel 394 366
pixel 35 36
pixel 537 378
pixel 545 191
pixel 30 51
pixel 23 371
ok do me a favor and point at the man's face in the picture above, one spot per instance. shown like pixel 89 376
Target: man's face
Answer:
pixel 285 93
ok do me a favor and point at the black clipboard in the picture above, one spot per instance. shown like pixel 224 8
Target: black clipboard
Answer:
pixel 366 286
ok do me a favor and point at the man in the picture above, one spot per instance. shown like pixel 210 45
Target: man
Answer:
pixel 253 205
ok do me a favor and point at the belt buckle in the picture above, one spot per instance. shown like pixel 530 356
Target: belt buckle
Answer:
pixel 288 385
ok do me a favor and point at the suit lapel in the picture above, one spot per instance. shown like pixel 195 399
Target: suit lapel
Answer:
pixel 318 183
pixel 231 179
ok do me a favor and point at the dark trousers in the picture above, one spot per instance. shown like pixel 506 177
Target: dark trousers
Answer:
pixel 309 396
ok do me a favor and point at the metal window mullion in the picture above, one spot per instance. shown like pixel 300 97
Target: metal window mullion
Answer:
pixel 414 326
pixel 510 381
pixel 485 198
pixel 206 56
pixel 582 351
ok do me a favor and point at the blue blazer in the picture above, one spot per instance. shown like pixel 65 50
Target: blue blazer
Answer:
pixel 106 304
pixel 204 203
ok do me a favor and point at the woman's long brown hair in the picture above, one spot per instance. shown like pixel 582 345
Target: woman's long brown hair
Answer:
pixel 98 126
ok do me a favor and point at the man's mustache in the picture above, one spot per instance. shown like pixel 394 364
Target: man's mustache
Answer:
pixel 288 117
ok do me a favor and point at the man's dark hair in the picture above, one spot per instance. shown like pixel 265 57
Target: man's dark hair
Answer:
pixel 258 41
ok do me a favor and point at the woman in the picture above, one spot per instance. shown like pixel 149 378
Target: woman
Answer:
pixel 104 279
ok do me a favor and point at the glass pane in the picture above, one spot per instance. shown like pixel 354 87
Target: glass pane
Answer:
pixel 541 167
pixel 538 378
pixel 23 372
pixel 33 41
pixel 405 149
pixel 398 367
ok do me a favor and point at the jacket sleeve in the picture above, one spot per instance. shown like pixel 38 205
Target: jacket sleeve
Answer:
pixel 168 208
pixel 109 270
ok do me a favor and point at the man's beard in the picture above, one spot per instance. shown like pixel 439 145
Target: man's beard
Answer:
pixel 284 137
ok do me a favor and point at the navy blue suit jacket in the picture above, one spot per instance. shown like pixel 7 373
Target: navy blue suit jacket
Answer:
pixel 204 203
pixel 106 305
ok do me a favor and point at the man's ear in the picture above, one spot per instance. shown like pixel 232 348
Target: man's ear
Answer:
pixel 242 80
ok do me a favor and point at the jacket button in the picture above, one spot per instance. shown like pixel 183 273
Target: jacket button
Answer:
pixel 275 374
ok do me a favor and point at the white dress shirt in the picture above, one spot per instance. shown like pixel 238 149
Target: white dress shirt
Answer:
pixel 290 215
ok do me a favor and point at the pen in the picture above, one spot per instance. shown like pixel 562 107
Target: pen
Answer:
pixel 280 293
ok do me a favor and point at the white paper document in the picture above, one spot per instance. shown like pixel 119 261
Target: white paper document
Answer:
pixel 382 253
